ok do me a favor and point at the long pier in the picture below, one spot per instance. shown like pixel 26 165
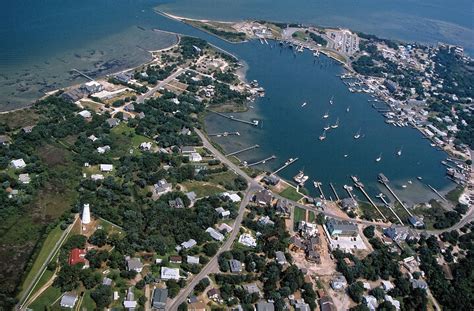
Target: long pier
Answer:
pixel 439 194
pixel 261 161
pixel 224 134
pixel 361 188
pixel 242 150
pixel 384 181
pixel 287 163
pixel 318 184
pixel 381 197
pixel 334 190
pixel 349 191
pixel 82 74
pixel 253 123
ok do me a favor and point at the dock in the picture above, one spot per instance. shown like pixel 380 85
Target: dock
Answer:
pixel 381 197
pixel 224 134
pixel 349 191
pixel 361 188
pixel 242 150
pixel 253 123
pixel 439 194
pixel 82 74
pixel 287 163
pixel 384 181
pixel 334 190
pixel 261 161
pixel 318 184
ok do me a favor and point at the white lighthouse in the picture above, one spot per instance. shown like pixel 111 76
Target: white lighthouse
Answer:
pixel 86 215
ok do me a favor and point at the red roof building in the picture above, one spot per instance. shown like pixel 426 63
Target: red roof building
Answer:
pixel 76 256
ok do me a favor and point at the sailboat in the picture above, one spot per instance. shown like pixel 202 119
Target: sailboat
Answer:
pixel 326 115
pixel 323 136
pixel 335 125
pixel 357 135
pixel 399 152
pixel 379 158
pixel 327 127
pixel 304 104
pixel 331 100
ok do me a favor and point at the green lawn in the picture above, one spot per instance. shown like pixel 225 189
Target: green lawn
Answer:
pixel 454 194
pixel 48 244
pixel 223 178
pixel 290 193
pixel 300 214
pixel 300 35
pixel 46 299
pixel 87 302
pixel 367 211
pixel 202 189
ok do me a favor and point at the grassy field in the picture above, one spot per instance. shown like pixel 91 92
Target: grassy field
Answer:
pixel 48 244
pixel 300 214
pixel 223 178
pixel 46 299
pixel 300 35
pixel 20 118
pixel 87 302
pixel 290 193
pixel 202 189
pixel 454 194
pixel 124 139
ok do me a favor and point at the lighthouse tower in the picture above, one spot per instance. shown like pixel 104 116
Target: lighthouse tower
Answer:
pixel 86 215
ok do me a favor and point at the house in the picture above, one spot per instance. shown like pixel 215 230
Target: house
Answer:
pixel 123 77
pixel 307 229
pixel 73 95
pixel 266 221
pixel 106 281
pixel 106 167
pixel 92 87
pixel 339 282
pixel 92 137
pixel 224 228
pixel 300 305
pixel 129 108
pixel 222 212
pixel 296 245
pixel 313 256
pixel 234 197
pixel 235 266
pixel 280 257
pixel 387 285
pixel 188 244
pixel 28 129
pixel 263 197
pixel 265 306
pixel 192 260
pixel 169 273
pixel 176 203
pixel 18 163
pixel 141 115
pixel 251 289
pixel 161 187
pixel 76 256
pixel 185 131
pixel 391 85
pixel 130 302
pixel 195 157
pixel 214 294
pixel 68 300
pixel 24 178
pixel 341 228
pixel 85 114
pixel 394 302
pixel 282 207
pixel 96 177
pixel 134 264
pixel 371 302
pixel 416 222
pixel 418 284
pixel 103 149
pixel 188 150
pixel 349 204
pixel 271 180
pixel 326 304
pixel 247 240
pixel 214 234
pixel 176 259
pixel 192 197
pixel 158 301
pixel 112 122
pixel 145 146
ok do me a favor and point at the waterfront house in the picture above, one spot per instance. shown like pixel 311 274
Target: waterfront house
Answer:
pixel 263 197
pixel 169 273
pixel 349 204
pixel 123 77
pixel 68 300
pixel 416 221
pixel 270 180
pixel 341 228
pixel 92 87
pixel 134 264
pixel 158 301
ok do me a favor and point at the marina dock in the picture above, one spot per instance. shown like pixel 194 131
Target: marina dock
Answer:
pixel 253 123
pixel 334 190
pixel 349 191
pixel 439 194
pixel 261 161
pixel 382 198
pixel 242 150
pixel 361 188
pixel 384 180
pixel 225 134
pixel 82 74
pixel 287 163
pixel 318 184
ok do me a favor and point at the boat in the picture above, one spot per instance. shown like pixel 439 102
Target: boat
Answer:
pixel 399 152
pixel 410 182
pixel 304 104
pixel 326 115
pixel 335 125
pixel 316 184
pixel 379 158
pixel 404 186
pixel 323 136
pixel 327 127
pixel 331 100
pixel 348 108
pixel 357 135
pixel 300 178
pixel 346 155
pixel 419 178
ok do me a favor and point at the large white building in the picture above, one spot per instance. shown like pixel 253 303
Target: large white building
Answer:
pixel 86 214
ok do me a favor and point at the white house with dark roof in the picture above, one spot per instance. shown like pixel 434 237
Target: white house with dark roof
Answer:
pixel 134 264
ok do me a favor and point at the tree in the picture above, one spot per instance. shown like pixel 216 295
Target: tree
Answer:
pixel 210 249
pixel 369 232
pixel 355 291
pixel 102 295
pixel 99 238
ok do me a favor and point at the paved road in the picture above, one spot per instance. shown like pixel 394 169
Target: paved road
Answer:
pixel 161 84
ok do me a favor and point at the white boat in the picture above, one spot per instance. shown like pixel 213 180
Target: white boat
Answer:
pixel 404 186
pixel 331 100
pixel 335 125
pixel 379 158
pixel 326 115
pixel 348 108
pixel 323 136
pixel 357 135
pixel 327 127
pixel 346 155
pixel 419 178
pixel 399 152
pixel 300 178
pixel 316 184
pixel 304 104
pixel 410 182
